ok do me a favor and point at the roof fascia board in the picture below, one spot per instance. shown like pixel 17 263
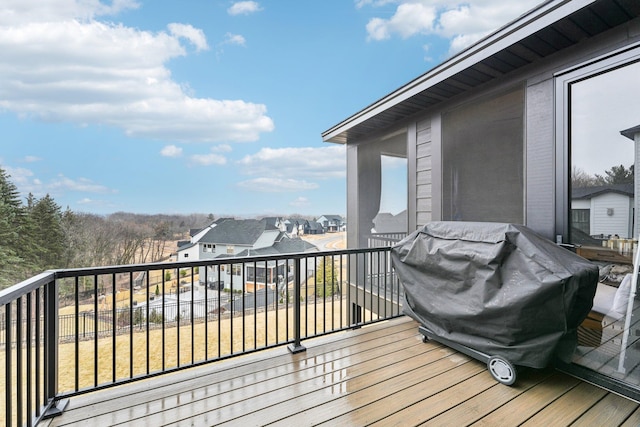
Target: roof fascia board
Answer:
pixel 526 25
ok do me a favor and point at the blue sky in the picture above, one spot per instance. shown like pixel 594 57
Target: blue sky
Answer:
pixel 208 106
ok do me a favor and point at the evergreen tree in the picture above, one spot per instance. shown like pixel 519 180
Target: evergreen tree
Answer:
pixel 326 278
pixel 11 226
pixel 617 175
pixel 45 218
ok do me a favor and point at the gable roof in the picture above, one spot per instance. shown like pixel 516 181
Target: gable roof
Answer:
pixel 547 29
pixel 335 218
pixel 284 246
pixel 237 232
pixel 590 192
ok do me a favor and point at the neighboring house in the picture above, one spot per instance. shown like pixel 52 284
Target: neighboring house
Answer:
pixel 313 227
pixel 492 134
pixel 331 223
pixel 603 211
pixel 237 238
pixel 294 227
pixel 276 222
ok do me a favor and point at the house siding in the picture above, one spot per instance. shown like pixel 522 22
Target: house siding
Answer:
pixel 618 223
pixel 540 158
pixel 424 173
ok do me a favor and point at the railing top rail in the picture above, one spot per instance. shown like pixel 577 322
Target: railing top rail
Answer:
pixel 74 272
pixel 16 291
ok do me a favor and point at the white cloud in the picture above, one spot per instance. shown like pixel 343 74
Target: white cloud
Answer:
pixel 21 177
pixel 62 65
pixel 16 12
pixel 308 162
pixel 244 8
pixel 410 19
pixel 194 35
pixel 292 169
pixel 222 148
pixel 32 159
pixel 171 151
pixel 277 185
pixel 208 159
pixel 234 39
pixel 374 3
pixel 62 183
pixel 461 22
pixel 26 182
pixel 300 202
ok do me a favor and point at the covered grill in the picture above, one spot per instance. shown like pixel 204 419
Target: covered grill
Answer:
pixel 498 292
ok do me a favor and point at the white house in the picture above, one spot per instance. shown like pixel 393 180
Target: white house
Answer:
pixel 603 211
pixel 228 238
pixel 331 223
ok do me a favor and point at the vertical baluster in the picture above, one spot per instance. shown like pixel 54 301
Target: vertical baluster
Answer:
pixel 131 320
pixel 296 347
pixel 219 312
pixel 244 314
pixel 163 319
pixel 8 363
pixel 178 315
pixel 28 348
pixel 114 323
pixel 37 347
pixel 306 296
pixel 232 304
pixel 148 283
pixel 19 366
pixel 76 340
pixel 206 312
pixel 266 304
pixel 276 294
pixel 192 319
pixel 255 304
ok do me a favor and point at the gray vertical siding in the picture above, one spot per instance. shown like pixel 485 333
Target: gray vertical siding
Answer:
pixel 424 169
pixel 540 158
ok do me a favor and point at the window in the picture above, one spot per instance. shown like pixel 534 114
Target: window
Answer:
pixel 597 124
pixel 580 220
pixel 603 106
pixel 186 255
pixel 230 249
pixel 237 269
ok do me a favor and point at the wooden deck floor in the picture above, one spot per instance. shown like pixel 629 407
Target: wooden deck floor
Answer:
pixel 378 375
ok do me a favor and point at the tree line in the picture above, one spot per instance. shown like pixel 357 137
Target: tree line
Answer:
pixel 616 175
pixel 38 235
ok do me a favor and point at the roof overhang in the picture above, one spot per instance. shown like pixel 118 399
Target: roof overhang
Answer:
pixel 631 132
pixel 552 26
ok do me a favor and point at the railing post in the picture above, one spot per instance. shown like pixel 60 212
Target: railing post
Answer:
pixel 51 331
pixel 296 347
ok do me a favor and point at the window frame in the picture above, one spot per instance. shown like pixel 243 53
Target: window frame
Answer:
pixel 562 97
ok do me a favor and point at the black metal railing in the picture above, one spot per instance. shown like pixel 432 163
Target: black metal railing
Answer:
pixel 67 332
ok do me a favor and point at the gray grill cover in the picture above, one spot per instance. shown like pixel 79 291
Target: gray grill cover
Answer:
pixel 500 289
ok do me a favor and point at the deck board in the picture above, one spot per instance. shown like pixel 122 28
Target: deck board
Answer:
pixel 379 375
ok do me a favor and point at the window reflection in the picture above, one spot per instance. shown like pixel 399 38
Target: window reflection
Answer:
pixel 602 159
pixel 604 111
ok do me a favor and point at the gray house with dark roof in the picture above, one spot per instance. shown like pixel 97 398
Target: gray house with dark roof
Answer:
pixel 237 238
